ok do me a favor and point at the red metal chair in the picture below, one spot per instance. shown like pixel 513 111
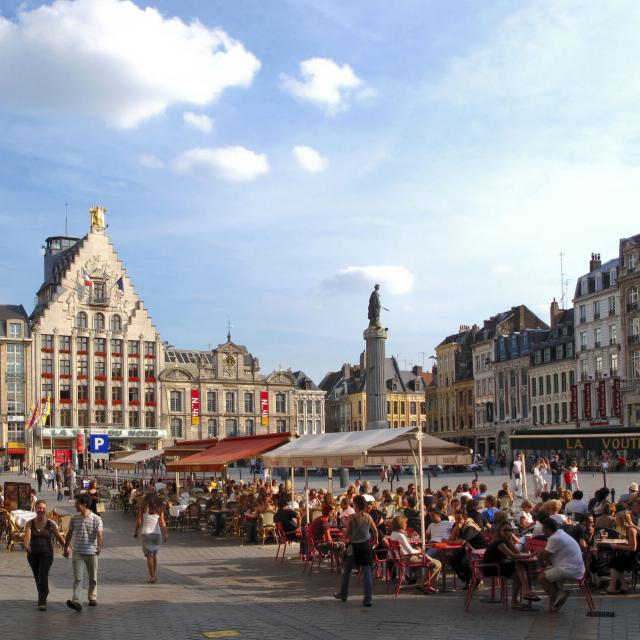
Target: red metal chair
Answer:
pixel 402 562
pixel 477 575
pixel 313 554
pixel 283 542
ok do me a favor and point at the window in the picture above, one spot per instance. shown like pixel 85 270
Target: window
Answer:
pixel 402 408
pixel 249 427
pixel 613 334
pixel 596 309
pixel 534 387
pixel 632 299
pixel 309 427
pixel 556 386
pixel 572 377
pixel 116 370
pixel 47 390
pixel 599 367
pixel 176 428
pixel 100 345
pixel 83 392
pixel 563 381
pixel 318 426
pixel 134 419
pixel 149 394
pixel 134 395
pixel 212 428
pixel 300 406
pixel 300 430
pixel 534 413
pixel 116 394
pixel 612 305
pixel 548 383
pixel 281 403
pixel 556 413
pixel 99 292
pixel 64 343
pixel 101 416
pixel 82 367
pixel 564 412
pixel 614 364
pixel 584 370
pixel 47 366
pixel 134 347
pixel 598 281
pixel 116 345
pixel 46 342
pixel 230 402
pixel 149 371
pixel 281 426
pixel 150 419
pixel 635 365
pixel 100 367
pixel 231 428
pixel 81 320
pixel 248 402
pixel 569 347
pixel 65 392
pixel 597 336
pixel 116 322
pixel 559 352
pixel 83 418
pixel 549 414
pixel 82 344
pixel 632 262
pixel 98 321
pixel 149 348
pixel 65 417
pixel 541 386
pixel 583 313
pixel 15 330
pixel 175 401
pixel 583 341
pixel 413 408
pixel 212 402
pixel 309 406
pixel 116 417
pixel 133 370
pixel 395 406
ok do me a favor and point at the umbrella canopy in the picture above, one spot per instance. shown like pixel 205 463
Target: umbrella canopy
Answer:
pixel 126 462
pixel 229 450
pixel 357 449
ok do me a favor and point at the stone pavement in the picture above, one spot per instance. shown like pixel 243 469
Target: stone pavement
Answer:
pixel 211 585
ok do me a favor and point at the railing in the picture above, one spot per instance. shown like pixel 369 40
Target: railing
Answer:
pixel 612 312
pixel 635 339
pixel 632 306
pixel 598 344
pixel 596 315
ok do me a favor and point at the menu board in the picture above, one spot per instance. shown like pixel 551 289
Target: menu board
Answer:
pixel 17 495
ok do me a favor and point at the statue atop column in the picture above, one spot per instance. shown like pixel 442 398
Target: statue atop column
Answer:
pixel 374 307
pixel 97 218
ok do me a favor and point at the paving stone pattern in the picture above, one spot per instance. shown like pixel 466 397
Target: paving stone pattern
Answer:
pixel 207 584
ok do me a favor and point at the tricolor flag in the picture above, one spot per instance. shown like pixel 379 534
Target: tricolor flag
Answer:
pixel 88 282
pixel 46 411
pixel 33 417
pixel 120 283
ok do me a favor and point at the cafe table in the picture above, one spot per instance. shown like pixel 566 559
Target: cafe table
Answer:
pixel 446 550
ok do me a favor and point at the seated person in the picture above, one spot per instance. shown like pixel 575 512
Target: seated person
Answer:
pixel 565 557
pixel 577 505
pixel 625 556
pixel 550 509
pixel 469 530
pixel 289 519
pixel 399 535
pixel 346 511
pixel 438 531
pixel 503 553
pixel 526 522
pixel 213 509
pixel 583 532
pixel 412 514
pixel 607 519
pixel 490 509
pixel 320 530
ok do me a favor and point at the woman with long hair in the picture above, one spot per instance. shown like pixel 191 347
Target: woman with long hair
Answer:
pixel 624 557
pixel 151 525
pixel 38 535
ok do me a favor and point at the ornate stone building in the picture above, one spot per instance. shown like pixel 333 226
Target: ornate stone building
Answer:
pixel 629 285
pixel 15 384
pixel 95 348
pixel 222 394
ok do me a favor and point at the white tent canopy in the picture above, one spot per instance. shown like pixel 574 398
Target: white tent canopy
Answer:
pixel 134 458
pixel 357 449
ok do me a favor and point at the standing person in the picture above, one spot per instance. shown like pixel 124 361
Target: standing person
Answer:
pixel 574 471
pixel 151 525
pixel 556 473
pixel 85 530
pixel 59 475
pixel 39 547
pixel 537 477
pixel 92 492
pixel 39 477
pixel 491 462
pixel 516 471
pixel 363 536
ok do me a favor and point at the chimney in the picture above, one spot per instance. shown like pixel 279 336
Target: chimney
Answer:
pixel 554 313
pixel 346 370
pixel 417 371
pixel 595 262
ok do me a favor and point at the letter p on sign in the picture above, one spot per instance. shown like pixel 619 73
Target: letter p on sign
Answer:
pixel 99 443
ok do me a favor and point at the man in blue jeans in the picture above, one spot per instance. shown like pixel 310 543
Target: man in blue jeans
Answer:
pixel 556 473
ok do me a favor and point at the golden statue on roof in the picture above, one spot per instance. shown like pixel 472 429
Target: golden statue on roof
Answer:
pixel 97 218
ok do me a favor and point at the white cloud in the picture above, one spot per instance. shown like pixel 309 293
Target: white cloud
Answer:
pixel 502 269
pixel 115 61
pixel 198 121
pixel 231 163
pixel 309 159
pixel 326 83
pixel 394 279
pixel 150 161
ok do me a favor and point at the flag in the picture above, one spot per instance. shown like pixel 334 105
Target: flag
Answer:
pixel 120 283
pixel 35 414
pixel 46 411
pixel 87 279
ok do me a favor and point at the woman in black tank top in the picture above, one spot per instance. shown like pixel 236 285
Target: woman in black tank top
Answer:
pixel 38 543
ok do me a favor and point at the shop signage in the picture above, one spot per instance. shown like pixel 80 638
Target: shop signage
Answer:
pixel 195 407
pixel 264 408
pixel 617 400
pixel 586 408
pixel 602 399
pixel 574 401
pixel 71 432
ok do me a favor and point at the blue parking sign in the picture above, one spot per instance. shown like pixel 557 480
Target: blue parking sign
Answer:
pixel 98 443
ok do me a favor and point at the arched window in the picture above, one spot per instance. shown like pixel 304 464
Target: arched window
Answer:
pixel 98 321
pixel 116 323
pixel 81 320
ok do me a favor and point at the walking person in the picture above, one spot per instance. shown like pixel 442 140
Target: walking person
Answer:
pixel 151 525
pixel 39 477
pixel 59 475
pixel 363 537
pixel 38 534
pixel 85 536
pixel 516 471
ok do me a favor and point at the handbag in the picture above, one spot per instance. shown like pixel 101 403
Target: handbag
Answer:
pixel 100 508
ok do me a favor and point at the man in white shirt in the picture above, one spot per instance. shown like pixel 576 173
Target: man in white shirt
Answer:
pixel 516 472
pixel 566 562
pixel 577 505
pixel 438 531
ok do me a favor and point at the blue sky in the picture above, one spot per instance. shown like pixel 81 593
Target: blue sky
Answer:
pixel 268 162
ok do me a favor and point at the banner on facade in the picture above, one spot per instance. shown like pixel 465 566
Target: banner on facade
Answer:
pixel 586 407
pixel 617 400
pixel 195 407
pixel 602 399
pixel 574 401
pixel 80 443
pixel 264 408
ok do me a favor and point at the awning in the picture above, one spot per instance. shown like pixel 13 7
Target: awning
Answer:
pixel 358 449
pixel 127 462
pixel 589 439
pixel 18 451
pixel 187 447
pixel 229 450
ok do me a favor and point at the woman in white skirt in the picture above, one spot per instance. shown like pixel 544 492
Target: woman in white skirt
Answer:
pixel 152 527
pixel 537 477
